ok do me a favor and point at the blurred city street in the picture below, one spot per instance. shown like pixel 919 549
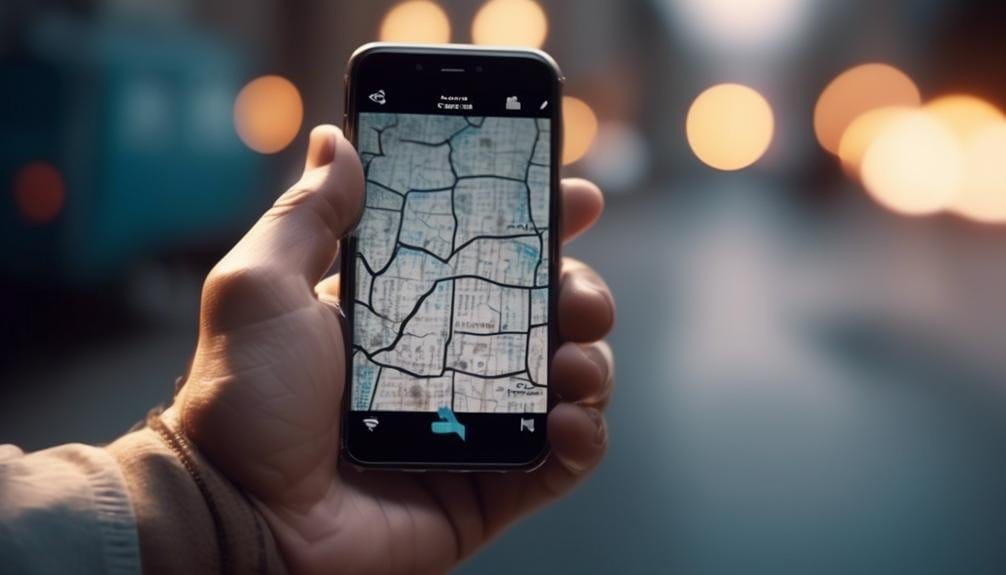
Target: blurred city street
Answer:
pixel 811 376
pixel 760 425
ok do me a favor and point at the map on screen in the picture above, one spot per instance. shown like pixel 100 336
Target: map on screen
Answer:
pixel 451 263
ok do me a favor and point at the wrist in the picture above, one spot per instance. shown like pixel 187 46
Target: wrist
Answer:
pixel 189 517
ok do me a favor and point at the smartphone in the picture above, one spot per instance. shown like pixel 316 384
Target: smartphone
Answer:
pixel 450 278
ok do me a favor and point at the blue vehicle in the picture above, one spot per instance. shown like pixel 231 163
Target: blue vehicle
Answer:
pixel 137 121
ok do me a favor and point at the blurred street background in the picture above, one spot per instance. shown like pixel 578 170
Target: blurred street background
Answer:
pixel 805 235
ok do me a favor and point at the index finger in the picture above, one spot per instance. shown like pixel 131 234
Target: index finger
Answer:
pixel 582 204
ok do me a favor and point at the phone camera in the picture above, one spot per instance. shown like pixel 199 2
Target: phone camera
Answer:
pixel 478 68
pixel 419 67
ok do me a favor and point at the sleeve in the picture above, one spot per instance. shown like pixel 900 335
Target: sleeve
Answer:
pixel 65 510
pixel 190 518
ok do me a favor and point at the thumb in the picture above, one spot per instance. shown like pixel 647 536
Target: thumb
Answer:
pixel 301 232
pixel 295 242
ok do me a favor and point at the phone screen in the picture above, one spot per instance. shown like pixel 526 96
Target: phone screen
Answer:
pixel 451 263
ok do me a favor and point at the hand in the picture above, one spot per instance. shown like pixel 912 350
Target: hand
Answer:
pixel 263 396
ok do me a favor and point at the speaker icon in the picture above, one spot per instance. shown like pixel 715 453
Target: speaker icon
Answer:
pixel 371 423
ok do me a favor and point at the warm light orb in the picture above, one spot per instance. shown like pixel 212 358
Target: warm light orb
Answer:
pixel 416 21
pixel 744 24
pixel 39 192
pixel 268 113
pixel 976 126
pixel 913 166
pixel 579 129
pixel 861 133
pixel 855 92
pixel 982 196
pixel 965 115
pixel 729 126
pixel 510 23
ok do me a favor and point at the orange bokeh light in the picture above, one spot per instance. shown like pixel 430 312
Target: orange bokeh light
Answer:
pixel 729 126
pixel 268 113
pixel 977 126
pixel 579 129
pixel 982 196
pixel 965 115
pixel 855 92
pixel 416 21
pixel 861 133
pixel 913 166
pixel 510 23
pixel 39 192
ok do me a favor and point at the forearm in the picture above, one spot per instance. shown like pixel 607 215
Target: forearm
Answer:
pixel 190 519
pixel 64 510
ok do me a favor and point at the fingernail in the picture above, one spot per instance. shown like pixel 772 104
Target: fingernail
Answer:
pixel 600 433
pixel 592 278
pixel 595 285
pixel 331 145
pixel 597 357
pixel 325 142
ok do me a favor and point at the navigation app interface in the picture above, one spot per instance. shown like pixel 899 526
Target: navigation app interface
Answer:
pixel 452 271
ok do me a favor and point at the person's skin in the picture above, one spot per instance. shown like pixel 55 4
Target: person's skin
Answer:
pixel 262 399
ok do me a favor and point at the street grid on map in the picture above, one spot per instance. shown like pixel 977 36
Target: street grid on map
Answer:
pixel 452 270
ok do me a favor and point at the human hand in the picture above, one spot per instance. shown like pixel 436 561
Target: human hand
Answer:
pixel 263 397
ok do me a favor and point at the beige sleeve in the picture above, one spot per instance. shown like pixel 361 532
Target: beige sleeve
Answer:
pixel 65 510
pixel 190 520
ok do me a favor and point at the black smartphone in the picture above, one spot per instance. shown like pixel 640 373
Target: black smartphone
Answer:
pixel 451 277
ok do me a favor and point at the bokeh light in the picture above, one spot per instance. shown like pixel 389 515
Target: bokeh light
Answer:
pixel 416 21
pixel 855 92
pixel 729 126
pixel 510 23
pixel 861 133
pixel 964 114
pixel 975 125
pixel 913 166
pixel 579 129
pixel 268 113
pixel 982 196
pixel 39 192
pixel 744 24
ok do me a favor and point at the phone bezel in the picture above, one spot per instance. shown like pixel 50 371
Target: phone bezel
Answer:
pixel 425 54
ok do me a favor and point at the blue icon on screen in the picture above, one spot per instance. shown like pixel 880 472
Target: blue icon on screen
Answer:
pixel 448 423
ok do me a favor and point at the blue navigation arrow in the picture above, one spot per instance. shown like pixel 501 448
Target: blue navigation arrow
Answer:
pixel 448 423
